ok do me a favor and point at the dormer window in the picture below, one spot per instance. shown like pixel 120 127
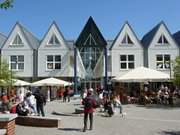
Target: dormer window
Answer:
pixel 17 41
pixel 53 40
pixel 127 40
pixel 162 40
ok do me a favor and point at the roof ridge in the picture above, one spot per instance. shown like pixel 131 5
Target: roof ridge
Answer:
pixel 26 30
pixel 29 36
pixel 3 35
pixel 147 38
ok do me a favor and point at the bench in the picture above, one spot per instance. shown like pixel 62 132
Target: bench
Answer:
pixel 36 121
pixel 7 124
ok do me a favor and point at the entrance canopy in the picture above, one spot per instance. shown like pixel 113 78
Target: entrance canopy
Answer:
pixel 142 74
pixel 51 82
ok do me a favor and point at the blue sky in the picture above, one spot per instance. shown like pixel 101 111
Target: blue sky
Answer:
pixel 109 15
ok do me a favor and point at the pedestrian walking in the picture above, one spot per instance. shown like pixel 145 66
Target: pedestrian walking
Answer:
pixel 89 106
pixel 117 104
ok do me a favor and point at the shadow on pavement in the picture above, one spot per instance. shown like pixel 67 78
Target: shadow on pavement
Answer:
pixel 62 114
pixel 170 132
pixel 66 114
pixel 158 106
pixel 77 104
pixel 71 129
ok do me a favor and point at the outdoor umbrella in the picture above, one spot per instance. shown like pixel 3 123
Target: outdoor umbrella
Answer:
pixel 142 74
pixel 17 82
pixel 51 82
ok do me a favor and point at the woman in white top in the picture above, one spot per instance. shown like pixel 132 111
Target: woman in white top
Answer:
pixel 117 103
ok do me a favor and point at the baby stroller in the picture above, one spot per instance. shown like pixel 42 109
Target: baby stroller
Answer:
pixel 108 108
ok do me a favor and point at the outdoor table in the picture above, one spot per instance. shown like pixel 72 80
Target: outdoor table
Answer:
pixel 7 122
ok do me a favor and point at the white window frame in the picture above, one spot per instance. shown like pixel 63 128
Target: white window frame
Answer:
pixel 53 62
pixel 126 40
pixel 17 44
pixel 127 61
pixel 163 61
pixel 17 63
pixel 54 41
pixel 163 43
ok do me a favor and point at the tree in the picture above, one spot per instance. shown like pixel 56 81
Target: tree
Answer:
pixel 177 71
pixel 6 75
pixel 5 4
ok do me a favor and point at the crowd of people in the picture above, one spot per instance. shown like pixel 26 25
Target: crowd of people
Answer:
pixel 65 93
pixel 164 95
pixel 109 104
pixel 24 105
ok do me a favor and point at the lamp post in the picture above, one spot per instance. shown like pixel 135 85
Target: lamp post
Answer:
pixel 75 70
pixel 170 69
pixel 106 75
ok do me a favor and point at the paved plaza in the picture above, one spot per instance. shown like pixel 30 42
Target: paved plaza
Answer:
pixel 140 120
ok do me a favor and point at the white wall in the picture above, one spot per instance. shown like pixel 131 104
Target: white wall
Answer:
pixel 42 72
pixel 154 49
pixel 28 61
pixel 138 55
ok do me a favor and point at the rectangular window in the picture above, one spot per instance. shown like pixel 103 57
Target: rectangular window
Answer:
pixel 17 62
pixel 126 61
pixel 162 61
pixel 53 62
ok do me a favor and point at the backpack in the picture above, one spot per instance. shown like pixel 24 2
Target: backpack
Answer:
pixel 40 98
pixel 88 103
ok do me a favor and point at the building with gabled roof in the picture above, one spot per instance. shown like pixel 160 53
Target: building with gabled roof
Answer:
pixel 160 49
pixel 20 52
pixel 126 51
pixel 91 60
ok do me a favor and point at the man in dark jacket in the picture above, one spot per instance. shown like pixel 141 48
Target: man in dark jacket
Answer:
pixel 89 106
pixel 40 102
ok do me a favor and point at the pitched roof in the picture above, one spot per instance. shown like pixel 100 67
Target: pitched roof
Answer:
pixel 148 37
pixel 70 44
pixel 109 43
pixel 2 39
pixel 55 24
pixel 176 36
pixel 91 28
pixel 31 39
pixel 126 23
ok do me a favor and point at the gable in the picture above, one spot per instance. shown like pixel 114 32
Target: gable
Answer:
pixel 91 36
pixel 53 39
pixel 126 38
pixel 16 39
pixel 163 39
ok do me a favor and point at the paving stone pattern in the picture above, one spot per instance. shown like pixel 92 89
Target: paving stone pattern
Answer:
pixel 140 120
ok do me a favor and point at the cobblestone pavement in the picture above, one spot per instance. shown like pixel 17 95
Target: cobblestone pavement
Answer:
pixel 139 120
